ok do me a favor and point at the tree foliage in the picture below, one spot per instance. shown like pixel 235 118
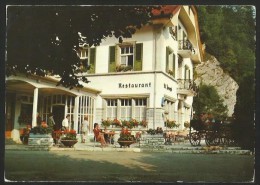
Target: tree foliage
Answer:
pixel 229 35
pixel 44 40
pixel 208 101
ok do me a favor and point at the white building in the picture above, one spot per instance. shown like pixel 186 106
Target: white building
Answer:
pixel 151 73
pixel 156 85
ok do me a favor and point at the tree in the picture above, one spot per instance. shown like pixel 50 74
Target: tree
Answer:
pixel 208 101
pixel 44 40
pixel 229 33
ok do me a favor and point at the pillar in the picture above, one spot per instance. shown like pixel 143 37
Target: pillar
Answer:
pixel 35 105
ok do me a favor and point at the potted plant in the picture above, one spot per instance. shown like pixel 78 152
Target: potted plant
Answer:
pixel 143 123
pixel 24 134
pixel 106 123
pixel 127 124
pixel 187 124
pixel 120 68
pixel 24 119
pixel 40 136
pixel 116 123
pixel 126 139
pixel 171 124
pixel 41 129
pixel 69 138
pixel 134 122
pixel 151 131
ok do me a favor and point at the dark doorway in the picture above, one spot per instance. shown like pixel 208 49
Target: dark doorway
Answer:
pixel 58 115
pixel 9 114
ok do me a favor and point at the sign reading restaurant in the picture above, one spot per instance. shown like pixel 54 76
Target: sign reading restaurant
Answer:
pixel 134 85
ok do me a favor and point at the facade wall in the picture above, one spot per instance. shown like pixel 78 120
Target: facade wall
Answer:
pixel 159 87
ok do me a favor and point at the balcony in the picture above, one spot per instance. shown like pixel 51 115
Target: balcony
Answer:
pixel 187 87
pixel 185 48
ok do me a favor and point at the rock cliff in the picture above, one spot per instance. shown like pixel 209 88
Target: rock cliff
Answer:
pixel 209 72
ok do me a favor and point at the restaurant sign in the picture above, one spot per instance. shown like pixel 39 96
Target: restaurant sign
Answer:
pixel 134 85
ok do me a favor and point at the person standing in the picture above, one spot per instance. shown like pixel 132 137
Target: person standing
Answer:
pixel 38 119
pixel 65 123
pixel 51 122
pixel 84 129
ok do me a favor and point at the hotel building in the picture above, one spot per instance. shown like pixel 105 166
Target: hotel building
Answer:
pixel 146 77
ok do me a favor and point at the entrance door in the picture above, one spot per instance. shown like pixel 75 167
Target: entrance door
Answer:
pixel 9 116
pixel 58 115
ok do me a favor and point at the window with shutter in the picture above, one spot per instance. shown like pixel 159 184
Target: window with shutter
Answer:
pixel 167 59
pixel 173 65
pixel 92 60
pixel 125 57
pixel 170 61
pixel 112 59
pixel 138 57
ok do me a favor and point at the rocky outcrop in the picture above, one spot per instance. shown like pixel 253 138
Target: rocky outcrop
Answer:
pixel 209 72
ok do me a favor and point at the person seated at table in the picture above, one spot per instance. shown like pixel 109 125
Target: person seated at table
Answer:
pixel 99 136
pixel 138 135
pixel 106 135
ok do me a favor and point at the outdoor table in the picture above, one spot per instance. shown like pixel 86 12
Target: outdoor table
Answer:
pixel 110 136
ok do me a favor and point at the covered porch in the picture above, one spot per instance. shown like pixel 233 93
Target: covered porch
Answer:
pixel 28 96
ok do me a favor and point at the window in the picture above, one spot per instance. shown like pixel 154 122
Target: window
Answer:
pixel 111 109
pixel 140 109
pixel 173 32
pixel 127 55
pixel 187 73
pixel 170 61
pixel 180 65
pixel 86 104
pixel 169 107
pixel 88 59
pixel 83 53
pixel 187 77
pixel 128 108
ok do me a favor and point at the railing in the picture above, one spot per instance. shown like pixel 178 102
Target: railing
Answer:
pixel 185 45
pixel 187 84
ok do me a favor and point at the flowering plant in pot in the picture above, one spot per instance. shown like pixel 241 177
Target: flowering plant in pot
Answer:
pixel 143 123
pixel 127 124
pixel 126 139
pixel 69 138
pixel 171 124
pixel 24 134
pixel 186 124
pixel 41 129
pixel 134 122
pixel 116 123
pixel 41 135
pixel 24 119
pixel 106 123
